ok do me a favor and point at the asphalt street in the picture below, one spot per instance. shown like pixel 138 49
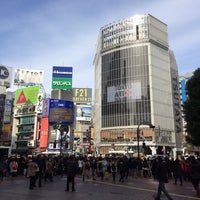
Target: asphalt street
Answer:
pixel 17 188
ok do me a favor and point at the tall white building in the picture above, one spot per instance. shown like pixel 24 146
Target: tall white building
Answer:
pixel 136 82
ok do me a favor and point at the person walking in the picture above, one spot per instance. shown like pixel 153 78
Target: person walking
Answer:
pixel 71 170
pixel 48 170
pixel 41 169
pixel 86 168
pixel 32 170
pixel 177 172
pixel 162 178
pixel 195 174
pixel 113 170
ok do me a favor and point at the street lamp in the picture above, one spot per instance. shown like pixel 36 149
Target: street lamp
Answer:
pixel 138 134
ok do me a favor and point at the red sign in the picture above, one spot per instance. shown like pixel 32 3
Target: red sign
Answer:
pixel 44 132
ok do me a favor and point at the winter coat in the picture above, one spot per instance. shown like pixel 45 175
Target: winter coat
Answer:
pixel 162 170
pixel 71 168
pixel 32 168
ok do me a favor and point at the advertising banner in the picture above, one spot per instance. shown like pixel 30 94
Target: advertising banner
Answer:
pixel 5 76
pixel 84 113
pixel 62 77
pixel 27 95
pixel 61 111
pixel 44 133
pixel 123 92
pixel 28 77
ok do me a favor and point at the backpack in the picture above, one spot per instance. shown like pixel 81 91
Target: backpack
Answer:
pixel 14 165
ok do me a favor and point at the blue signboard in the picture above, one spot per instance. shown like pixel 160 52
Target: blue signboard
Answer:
pixel 61 111
pixel 62 72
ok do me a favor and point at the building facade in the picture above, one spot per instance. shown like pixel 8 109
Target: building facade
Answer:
pixel 134 73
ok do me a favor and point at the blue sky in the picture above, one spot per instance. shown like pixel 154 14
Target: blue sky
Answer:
pixel 39 34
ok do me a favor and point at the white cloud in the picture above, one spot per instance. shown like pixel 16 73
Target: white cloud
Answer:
pixel 42 34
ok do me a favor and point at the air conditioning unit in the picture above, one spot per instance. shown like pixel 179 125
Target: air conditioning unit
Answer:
pixel 31 143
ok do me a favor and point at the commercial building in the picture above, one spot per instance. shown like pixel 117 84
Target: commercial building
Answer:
pixel 136 83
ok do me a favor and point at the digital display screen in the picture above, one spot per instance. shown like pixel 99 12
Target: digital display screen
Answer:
pixel 64 115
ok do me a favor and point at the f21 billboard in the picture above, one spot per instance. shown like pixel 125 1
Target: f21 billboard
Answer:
pixel 62 77
pixel 59 111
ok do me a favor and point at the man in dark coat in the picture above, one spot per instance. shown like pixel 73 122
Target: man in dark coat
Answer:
pixel 161 175
pixel 71 170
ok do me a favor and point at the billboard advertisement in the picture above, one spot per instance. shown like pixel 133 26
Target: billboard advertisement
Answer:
pixel 83 113
pixel 81 95
pixel 28 77
pixel 27 95
pixel 62 77
pixel 61 111
pixel 130 91
pixel 5 76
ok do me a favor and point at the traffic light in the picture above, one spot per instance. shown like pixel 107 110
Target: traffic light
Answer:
pixel 54 144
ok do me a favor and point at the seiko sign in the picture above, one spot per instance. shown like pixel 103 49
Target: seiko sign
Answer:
pixel 25 110
pixel 4 73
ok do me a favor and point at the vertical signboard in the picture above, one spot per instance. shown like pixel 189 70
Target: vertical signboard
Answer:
pixel 62 78
pixel 44 133
pixel 45 108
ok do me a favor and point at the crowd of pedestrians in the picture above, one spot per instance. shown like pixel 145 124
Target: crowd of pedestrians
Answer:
pixel 42 168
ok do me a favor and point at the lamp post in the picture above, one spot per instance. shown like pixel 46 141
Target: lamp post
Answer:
pixel 138 135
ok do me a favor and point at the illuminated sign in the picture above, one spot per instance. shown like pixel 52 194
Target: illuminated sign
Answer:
pixel 27 95
pixel 61 111
pixel 82 94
